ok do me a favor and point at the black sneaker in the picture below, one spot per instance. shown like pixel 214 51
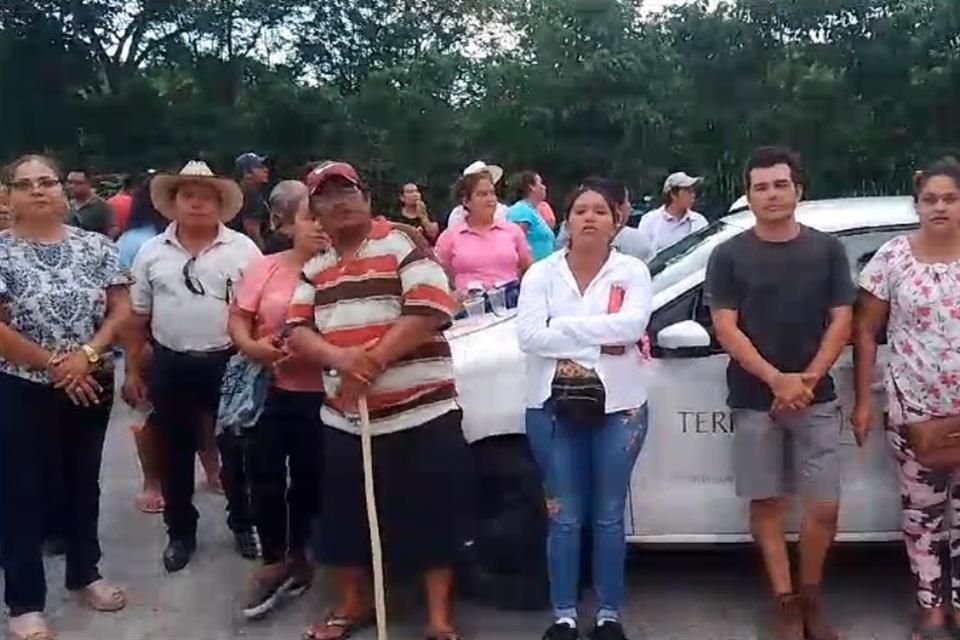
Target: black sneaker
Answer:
pixel 609 630
pixel 246 544
pixel 561 631
pixel 267 589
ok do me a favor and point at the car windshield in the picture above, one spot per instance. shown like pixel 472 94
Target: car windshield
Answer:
pixel 676 252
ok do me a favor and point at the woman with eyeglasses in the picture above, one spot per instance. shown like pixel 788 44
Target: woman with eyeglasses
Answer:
pixel 63 296
pixel 183 284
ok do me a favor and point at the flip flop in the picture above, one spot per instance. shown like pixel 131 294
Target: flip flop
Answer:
pixel 345 625
pixel 146 505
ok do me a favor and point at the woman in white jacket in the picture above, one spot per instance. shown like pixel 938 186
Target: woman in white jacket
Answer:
pixel 581 315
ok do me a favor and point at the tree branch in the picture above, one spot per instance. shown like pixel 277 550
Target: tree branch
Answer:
pixel 136 60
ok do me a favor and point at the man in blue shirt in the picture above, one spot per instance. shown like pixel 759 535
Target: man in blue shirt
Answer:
pixel 530 191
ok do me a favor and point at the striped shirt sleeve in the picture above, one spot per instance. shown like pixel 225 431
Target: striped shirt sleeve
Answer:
pixel 424 283
pixel 302 311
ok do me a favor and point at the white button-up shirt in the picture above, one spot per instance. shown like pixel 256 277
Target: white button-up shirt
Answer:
pixel 555 322
pixel 181 319
pixel 664 229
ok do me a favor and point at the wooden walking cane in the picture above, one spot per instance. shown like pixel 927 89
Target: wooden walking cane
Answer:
pixel 379 591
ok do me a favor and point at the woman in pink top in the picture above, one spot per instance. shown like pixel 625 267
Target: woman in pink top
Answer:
pixel 289 428
pixel 482 250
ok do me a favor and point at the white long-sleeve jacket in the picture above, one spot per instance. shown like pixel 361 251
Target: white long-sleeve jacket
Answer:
pixel 554 322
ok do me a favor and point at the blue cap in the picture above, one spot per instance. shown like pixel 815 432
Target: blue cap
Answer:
pixel 247 162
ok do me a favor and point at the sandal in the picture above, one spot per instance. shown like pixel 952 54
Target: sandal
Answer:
pixel 443 635
pixel 38 629
pixel 102 596
pixel 345 627
pixel 149 504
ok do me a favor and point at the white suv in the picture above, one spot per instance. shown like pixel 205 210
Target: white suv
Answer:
pixel 682 487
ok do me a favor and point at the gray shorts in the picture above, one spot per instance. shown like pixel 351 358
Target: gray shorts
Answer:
pixel 796 453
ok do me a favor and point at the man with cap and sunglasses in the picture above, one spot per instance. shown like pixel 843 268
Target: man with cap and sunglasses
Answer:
pixel 183 287
pixel 254 217
pixel 371 311
pixel 676 219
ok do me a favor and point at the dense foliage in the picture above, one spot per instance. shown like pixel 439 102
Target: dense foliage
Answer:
pixel 416 89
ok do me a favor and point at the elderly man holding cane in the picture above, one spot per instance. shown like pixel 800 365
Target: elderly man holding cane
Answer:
pixel 371 311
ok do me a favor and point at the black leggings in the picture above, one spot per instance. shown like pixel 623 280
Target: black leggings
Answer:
pixel 287 439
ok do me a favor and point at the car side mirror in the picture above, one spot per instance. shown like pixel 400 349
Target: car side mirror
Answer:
pixel 683 335
pixel 687 339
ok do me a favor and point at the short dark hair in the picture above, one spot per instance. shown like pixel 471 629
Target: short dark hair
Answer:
pixel 84 170
pixel 947 167
pixel 766 157
pixel 522 183
pixel 10 169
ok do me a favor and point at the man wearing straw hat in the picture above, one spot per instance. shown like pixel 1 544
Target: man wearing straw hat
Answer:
pixel 183 286
pixel 373 308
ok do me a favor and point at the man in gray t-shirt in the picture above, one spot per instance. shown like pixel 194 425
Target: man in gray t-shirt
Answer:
pixel 781 298
pixel 783 293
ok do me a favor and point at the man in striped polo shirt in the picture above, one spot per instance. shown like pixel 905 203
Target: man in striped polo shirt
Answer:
pixel 371 311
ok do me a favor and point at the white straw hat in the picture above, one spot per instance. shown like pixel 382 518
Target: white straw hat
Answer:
pixel 163 189
pixel 495 171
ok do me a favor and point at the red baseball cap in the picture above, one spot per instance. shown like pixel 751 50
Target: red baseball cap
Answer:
pixel 329 170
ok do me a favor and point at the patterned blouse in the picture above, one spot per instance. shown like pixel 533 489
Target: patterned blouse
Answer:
pixel 56 294
pixel 923 377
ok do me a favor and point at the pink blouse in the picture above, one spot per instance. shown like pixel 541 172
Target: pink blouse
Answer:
pixel 265 292
pixel 488 257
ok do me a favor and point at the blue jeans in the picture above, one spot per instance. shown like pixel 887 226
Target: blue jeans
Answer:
pixel 586 470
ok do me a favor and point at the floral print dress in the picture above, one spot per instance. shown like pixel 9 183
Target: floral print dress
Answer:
pixel 56 294
pixel 922 381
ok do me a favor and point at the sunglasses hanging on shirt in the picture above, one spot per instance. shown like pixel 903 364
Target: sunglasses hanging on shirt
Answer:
pixel 196 287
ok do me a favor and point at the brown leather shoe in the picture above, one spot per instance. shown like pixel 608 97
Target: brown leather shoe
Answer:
pixel 814 619
pixel 788 618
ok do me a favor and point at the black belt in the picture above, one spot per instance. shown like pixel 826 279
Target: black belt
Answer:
pixel 199 355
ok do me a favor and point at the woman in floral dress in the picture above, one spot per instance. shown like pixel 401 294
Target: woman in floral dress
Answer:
pixel 913 285
pixel 63 296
